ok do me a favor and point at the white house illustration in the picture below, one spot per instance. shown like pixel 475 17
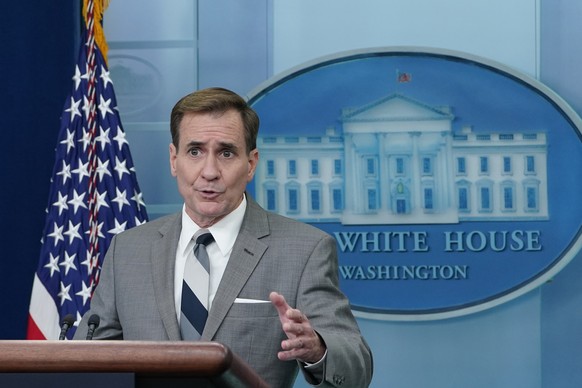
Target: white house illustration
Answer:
pixel 398 161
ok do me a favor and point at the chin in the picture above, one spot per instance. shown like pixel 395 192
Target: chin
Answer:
pixel 211 212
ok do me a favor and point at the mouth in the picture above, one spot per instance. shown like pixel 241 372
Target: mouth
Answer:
pixel 209 194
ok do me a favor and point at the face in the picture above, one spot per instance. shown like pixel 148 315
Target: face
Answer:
pixel 211 165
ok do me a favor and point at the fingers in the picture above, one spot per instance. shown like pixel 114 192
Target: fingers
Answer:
pixel 280 304
pixel 295 315
pixel 291 319
pixel 297 348
pixel 302 342
pixel 290 344
pixel 307 348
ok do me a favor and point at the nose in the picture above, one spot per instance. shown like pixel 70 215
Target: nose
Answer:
pixel 210 169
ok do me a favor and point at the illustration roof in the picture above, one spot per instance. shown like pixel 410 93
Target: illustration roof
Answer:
pixel 396 107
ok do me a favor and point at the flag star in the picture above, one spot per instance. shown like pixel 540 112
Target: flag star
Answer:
pixel 88 262
pixel 120 167
pixel 101 200
pixel 118 227
pixel 69 263
pixel 139 222
pixel 104 106
pixel 138 198
pixel 77 77
pixel 86 75
pixel 57 233
pixel 120 137
pixel 64 293
pixel 78 320
pixel 73 232
pixel 53 264
pixel 86 139
pixel 61 203
pixel 82 170
pixel 121 198
pixel 85 293
pixel 69 141
pixel 77 201
pixel 102 168
pixel 100 235
pixel 65 172
pixel 103 137
pixel 74 109
pixel 105 77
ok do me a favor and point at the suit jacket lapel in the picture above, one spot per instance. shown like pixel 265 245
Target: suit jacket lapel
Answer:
pixel 163 260
pixel 246 254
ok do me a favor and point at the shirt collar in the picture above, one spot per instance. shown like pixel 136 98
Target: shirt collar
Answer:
pixel 224 231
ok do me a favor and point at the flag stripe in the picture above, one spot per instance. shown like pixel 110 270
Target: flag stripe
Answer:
pixel 33 332
pixel 44 316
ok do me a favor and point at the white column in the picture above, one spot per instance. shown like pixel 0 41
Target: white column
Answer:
pixel 415 168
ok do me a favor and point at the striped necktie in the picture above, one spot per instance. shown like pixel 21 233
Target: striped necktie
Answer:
pixel 194 303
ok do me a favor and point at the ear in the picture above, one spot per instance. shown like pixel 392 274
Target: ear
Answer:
pixel 173 156
pixel 253 161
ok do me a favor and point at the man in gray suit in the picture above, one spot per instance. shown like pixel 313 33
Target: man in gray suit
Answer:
pixel 273 295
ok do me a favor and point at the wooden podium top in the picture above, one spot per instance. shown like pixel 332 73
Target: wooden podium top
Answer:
pixel 194 359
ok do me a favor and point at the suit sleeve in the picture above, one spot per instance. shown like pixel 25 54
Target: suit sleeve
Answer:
pixel 349 359
pixel 103 303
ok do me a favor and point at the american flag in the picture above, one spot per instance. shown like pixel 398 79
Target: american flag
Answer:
pixel 403 77
pixel 93 196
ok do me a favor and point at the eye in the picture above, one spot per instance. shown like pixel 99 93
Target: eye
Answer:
pixel 194 151
pixel 227 154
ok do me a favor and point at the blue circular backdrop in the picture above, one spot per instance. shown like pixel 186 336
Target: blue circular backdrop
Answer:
pixel 414 279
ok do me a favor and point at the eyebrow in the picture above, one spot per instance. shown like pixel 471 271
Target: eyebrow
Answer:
pixel 230 146
pixel 194 144
pixel 222 144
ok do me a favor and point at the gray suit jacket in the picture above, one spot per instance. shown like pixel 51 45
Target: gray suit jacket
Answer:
pixel 135 295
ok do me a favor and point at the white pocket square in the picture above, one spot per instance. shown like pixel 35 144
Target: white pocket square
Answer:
pixel 245 300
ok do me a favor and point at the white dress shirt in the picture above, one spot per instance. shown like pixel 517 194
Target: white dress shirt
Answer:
pixel 224 232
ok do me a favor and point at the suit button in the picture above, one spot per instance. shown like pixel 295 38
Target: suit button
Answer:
pixel 338 380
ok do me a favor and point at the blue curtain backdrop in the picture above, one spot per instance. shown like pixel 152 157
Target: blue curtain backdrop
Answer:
pixel 39 39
